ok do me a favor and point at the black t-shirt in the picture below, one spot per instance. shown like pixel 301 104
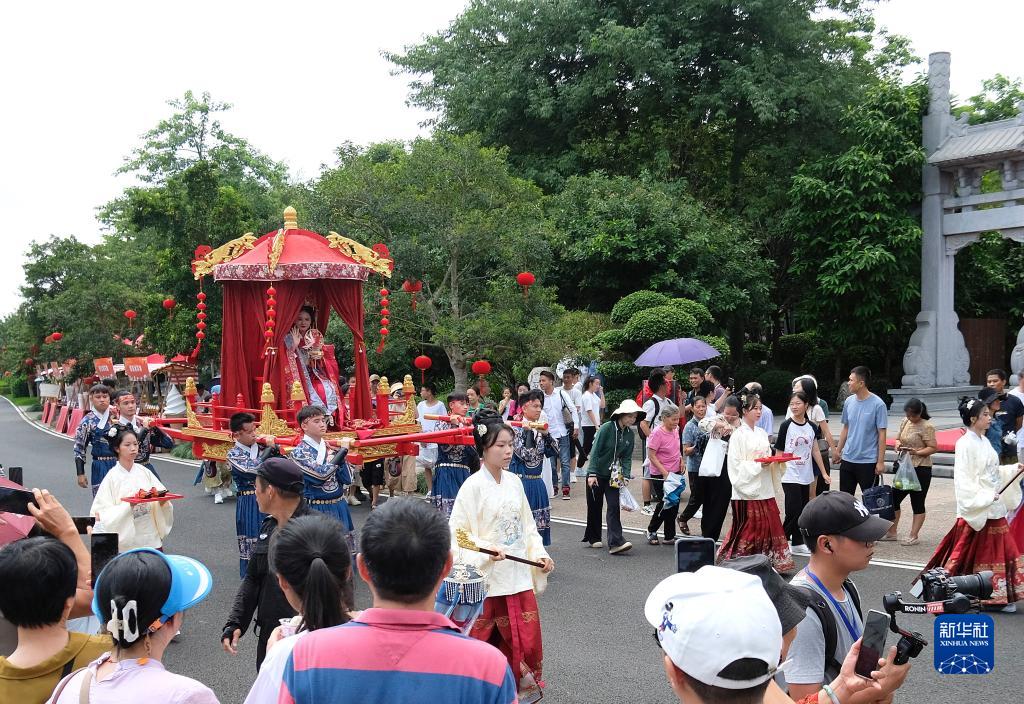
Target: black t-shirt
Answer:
pixel 1010 409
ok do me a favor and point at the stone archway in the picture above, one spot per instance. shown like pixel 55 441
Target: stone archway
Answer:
pixel 954 213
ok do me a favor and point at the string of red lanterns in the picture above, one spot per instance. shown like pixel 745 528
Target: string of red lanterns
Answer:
pixel 384 313
pixel 268 330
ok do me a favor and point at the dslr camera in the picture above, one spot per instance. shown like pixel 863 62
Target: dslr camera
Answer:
pixel 938 585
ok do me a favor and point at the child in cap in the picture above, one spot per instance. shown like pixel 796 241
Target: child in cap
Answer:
pixel 139 597
pixel 720 632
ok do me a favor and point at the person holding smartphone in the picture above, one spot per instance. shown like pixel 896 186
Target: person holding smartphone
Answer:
pixel 840 533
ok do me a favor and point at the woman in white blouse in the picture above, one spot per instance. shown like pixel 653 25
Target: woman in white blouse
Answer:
pixel 756 524
pixel 491 507
pixel 980 538
pixel 143 525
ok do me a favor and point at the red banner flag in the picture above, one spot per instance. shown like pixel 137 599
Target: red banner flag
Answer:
pixel 136 368
pixel 104 367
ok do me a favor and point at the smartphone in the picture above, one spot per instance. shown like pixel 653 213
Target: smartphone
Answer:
pixel 692 553
pixel 872 646
pixel 732 383
pixel 16 500
pixel 83 523
pixel 104 549
pixel 16 475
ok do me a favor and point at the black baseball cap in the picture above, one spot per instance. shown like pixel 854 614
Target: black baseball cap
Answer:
pixel 988 395
pixel 838 513
pixel 282 473
pixel 790 602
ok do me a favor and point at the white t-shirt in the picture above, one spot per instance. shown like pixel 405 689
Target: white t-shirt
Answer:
pixel 576 395
pixel 268 682
pixel 652 415
pixel 590 402
pixel 1015 391
pixel 553 405
pixel 798 439
pixel 425 409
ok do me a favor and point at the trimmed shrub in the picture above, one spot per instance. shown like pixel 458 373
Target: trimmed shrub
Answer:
pixel 619 374
pixel 630 305
pixel 699 311
pixel 790 350
pixel 183 451
pixel 866 355
pixel 615 397
pixel 724 359
pixel 755 352
pixel 610 340
pixel 660 323
pixel 777 386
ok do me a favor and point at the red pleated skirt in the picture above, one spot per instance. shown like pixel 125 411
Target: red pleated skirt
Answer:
pixel 511 623
pixel 757 530
pixel 966 551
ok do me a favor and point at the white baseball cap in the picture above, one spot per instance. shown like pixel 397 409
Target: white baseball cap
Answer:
pixel 710 618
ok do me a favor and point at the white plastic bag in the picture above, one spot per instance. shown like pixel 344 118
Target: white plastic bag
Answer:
pixel 626 500
pixel 906 476
pixel 713 459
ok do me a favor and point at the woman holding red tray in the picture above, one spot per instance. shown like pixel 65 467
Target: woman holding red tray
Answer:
pixel 138 525
pixel 756 526
pixel 798 437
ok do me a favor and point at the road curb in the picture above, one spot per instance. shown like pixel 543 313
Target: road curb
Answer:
pixel 49 431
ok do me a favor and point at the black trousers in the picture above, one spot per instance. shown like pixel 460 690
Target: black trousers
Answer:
pixel 263 631
pixel 662 514
pixel 596 497
pixel 852 474
pixel 588 444
pixel 924 475
pixel 697 483
pixel 717 495
pixel 797 496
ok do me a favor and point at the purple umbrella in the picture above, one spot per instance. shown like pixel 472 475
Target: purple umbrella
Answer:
pixel 682 350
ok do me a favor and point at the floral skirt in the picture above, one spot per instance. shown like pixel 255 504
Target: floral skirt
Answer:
pixel 966 551
pixel 757 530
pixel 448 479
pixel 511 623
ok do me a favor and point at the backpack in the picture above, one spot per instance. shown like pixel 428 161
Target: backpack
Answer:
pixel 651 420
pixel 829 627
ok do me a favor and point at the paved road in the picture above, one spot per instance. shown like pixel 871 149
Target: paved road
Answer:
pixel 598 647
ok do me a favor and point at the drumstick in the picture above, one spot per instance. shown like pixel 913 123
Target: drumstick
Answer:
pixel 466 542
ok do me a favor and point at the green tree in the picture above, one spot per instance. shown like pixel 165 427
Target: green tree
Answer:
pixel 856 238
pixel 193 135
pixel 455 218
pixel 617 233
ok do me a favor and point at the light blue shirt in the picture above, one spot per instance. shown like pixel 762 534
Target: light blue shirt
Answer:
pixel 767 420
pixel 863 420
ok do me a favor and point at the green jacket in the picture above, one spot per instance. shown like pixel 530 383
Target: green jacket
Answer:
pixel 612 441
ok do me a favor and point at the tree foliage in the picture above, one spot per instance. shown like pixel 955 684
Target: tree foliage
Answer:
pixel 856 233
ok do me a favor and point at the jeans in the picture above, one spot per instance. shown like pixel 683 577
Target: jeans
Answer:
pixel 596 496
pixel 564 457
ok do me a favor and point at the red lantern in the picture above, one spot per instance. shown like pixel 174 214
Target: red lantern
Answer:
pixel 57 337
pixel 169 303
pixel 526 280
pixel 423 363
pixel 384 332
pixel 48 339
pixel 481 367
pixel 412 288
pixel 131 315
pixel 28 362
pixel 381 249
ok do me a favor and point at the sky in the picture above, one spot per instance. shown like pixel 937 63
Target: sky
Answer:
pixel 82 81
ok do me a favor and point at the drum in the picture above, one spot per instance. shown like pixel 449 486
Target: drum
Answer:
pixel 461 597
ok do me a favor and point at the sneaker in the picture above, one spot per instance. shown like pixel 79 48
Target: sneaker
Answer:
pixel 217 498
pixel 572 478
pixel 666 541
pixel 352 501
pixel 1009 609
pixel 652 538
pixel 800 550
pixel 621 548
pixel 647 510
pixel 565 493
pixel 597 544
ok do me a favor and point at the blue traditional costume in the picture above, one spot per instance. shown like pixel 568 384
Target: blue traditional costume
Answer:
pixel 244 461
pixel 148 439
pixel 325 483
pixel 454 465
pixel 92 431
pixel 528 451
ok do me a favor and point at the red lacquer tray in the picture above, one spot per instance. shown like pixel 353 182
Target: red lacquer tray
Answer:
pixel 777 458
pixel 165 497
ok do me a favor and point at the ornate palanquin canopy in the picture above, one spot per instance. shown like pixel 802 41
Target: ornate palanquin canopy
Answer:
pixel 289 254
pixel 266 281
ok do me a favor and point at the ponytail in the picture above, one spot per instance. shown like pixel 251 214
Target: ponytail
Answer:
pixel 311 555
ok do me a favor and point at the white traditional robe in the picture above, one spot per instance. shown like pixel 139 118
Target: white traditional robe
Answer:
pixel 977 476
pixel 137 525
pixel 497 516
pixel 751 481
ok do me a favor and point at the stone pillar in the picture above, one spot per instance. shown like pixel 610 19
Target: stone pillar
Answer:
pixel 936 357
